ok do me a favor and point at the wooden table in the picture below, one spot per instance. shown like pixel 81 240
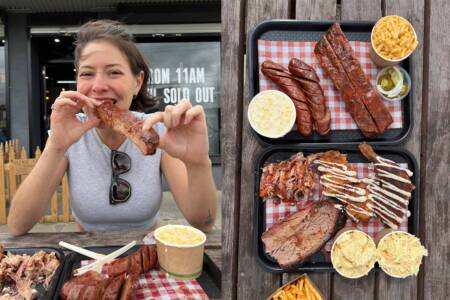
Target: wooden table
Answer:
pixel 429 141
pixel 91 239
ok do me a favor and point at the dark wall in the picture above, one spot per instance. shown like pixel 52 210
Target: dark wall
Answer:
pixel 20 109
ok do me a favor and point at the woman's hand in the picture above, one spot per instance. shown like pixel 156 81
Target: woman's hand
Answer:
pixel 65 128
pixel 187 136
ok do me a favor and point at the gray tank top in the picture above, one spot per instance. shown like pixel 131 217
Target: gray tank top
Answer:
pixel 90 172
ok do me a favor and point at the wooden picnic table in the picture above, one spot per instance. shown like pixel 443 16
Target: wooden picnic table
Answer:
pixel 429 141
pixel 94 239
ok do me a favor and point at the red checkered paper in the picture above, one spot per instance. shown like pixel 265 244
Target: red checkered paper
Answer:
pixel 275 213
pixel 155 284
pixel 282 51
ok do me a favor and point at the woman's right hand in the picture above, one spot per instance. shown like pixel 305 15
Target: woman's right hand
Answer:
pixel 65 127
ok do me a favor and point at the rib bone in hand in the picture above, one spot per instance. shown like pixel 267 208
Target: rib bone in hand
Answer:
pixel 124 122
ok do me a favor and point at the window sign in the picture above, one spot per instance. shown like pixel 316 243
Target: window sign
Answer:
pixel 188 70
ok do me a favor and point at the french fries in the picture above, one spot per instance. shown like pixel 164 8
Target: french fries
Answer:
pixel 300 289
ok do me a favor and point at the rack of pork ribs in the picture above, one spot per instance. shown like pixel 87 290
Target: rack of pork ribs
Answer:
pixel 385 194
pixel 118 279
pixel 126 123
pixel 336 57
pixel 20 274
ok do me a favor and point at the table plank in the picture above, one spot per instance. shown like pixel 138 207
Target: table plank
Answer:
pixel 315 10
pixel 90 239
pixel 253 282
pixel 388 287
pixel 436 151
pixel 216 256
pixel 357 10
pixel 361 10
pixel 232 49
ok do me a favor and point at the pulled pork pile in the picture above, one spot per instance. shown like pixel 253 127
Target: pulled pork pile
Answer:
pixel 19 274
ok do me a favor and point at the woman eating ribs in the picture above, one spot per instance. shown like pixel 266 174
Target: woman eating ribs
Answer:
pixel 113 154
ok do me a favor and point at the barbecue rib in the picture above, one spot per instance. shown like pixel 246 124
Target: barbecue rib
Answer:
pixel 287 181
pixel 126 123
pixel 390 189
pixel 339 181
pixel 287 83
pixel 117 281
pixel 362 101
pixel 309 82
pixel 303 233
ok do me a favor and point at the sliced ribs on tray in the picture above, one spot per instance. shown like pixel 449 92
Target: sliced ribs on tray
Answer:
pixel 336 57
pixel 389 190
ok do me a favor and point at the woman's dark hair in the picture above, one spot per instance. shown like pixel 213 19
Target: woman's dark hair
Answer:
pixel 115 33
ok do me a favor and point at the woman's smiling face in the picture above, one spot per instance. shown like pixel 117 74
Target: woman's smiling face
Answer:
pixel 104 73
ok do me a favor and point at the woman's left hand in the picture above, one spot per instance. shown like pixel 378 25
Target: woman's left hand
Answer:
pixel 186 137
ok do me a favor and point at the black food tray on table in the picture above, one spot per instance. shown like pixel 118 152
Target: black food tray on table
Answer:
pixel 319 262
pixel 49 292
pixel 209 280
pixel 312 31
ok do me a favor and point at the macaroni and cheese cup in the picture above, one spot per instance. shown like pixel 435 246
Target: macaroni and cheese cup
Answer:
pixel 353 253
pixel 400 253
pixel 399 44
pixel 180 250
pixel 271 113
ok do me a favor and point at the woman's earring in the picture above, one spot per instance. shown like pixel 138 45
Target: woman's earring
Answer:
pixel 134 98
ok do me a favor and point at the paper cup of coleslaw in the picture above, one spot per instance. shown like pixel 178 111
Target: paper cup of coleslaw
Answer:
pixel 180 250
pixel 400 253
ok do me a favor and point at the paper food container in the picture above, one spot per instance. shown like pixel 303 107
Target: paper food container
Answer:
pixel 359 271
pixel 406 264
pixel 311 283
pixel 382 61
pixel 180 250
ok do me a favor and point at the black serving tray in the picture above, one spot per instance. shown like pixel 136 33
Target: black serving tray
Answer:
pixel 319 262
pixel 291 30
pixel 209 280
pixel 44 293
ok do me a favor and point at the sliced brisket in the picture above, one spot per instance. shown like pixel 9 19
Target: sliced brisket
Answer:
pixel 303 233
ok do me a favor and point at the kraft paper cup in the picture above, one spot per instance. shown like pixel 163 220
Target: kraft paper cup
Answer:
pixel 365 271
pixel 180 261
pixel 273 116
pixel 385 234
pixel 382 61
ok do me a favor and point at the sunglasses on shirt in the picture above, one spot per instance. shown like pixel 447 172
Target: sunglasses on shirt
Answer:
pixel 120 189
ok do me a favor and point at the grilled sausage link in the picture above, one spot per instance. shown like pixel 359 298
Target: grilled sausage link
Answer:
pixel 287 83
pixel 309 82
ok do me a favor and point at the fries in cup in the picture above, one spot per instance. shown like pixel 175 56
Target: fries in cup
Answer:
pixel 301 288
